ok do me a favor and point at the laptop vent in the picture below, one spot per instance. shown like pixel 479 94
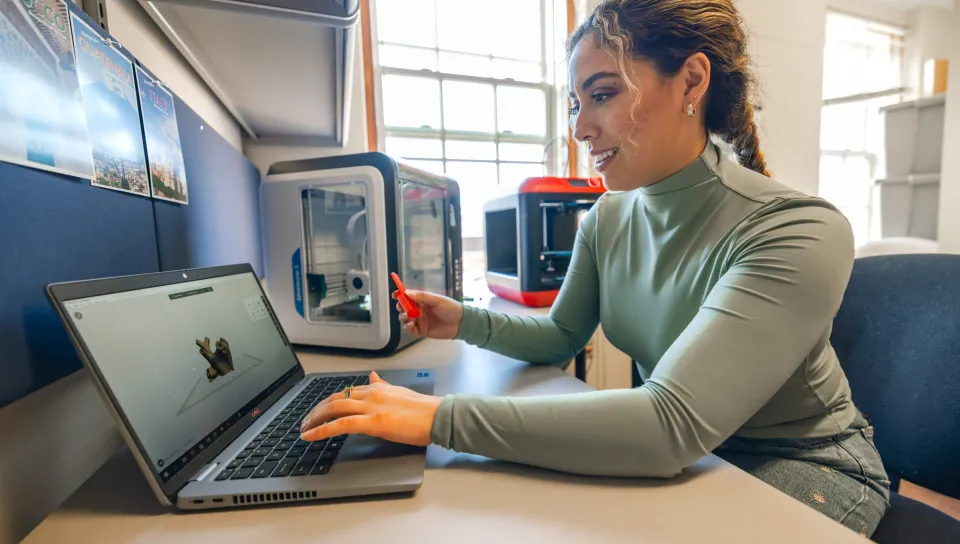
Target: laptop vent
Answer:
pixel 263 498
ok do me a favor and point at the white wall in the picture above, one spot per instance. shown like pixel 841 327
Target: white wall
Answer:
pixel 55 439
pixel 949 228
pixel 871 9
pixel 786 41
pixel 929 35
pixel 264 155
pixel 131 25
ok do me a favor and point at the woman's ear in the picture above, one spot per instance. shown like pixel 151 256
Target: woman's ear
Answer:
pixel 696 77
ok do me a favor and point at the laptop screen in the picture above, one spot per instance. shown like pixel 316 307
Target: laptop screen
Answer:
pixel 185 362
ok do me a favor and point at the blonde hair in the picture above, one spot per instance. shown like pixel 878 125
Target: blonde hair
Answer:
pixel 667 33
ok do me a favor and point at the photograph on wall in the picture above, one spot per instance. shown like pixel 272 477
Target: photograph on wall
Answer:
pixel 168 178
pixel 112 110
pixel 42 122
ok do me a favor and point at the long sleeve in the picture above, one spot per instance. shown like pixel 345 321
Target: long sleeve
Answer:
pixel 550 339
pixel 765 315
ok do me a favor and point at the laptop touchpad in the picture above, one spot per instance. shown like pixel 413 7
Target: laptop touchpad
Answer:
pixel 368 447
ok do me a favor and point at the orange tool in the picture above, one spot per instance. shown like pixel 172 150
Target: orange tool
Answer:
pixel 408 305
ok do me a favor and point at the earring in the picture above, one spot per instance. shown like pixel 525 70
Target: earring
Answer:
pixel 690 111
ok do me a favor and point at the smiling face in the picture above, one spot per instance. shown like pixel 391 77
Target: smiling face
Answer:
pixel 637 130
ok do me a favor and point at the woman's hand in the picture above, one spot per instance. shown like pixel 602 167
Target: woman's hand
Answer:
pixel 382 410
pixel 440 316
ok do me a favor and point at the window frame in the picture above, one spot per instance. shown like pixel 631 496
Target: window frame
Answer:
pixel 554 157
pixel 865 98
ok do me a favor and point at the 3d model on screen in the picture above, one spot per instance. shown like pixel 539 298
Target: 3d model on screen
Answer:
pixel 221 361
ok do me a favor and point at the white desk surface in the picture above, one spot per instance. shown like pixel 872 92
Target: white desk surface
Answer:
pixel 464 498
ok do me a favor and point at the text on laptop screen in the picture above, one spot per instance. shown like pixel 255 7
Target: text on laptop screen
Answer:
pixel 184 361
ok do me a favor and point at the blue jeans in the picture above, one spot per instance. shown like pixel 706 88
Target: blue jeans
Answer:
pixel 841 476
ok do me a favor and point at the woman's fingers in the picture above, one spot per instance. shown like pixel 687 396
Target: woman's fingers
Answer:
pixel 375 378
pixel 358 424
pixel 356 393
pixel 338 408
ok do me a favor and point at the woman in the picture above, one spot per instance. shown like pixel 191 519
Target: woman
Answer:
pixel 721 283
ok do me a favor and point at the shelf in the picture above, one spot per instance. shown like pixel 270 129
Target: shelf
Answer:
pixel 283 68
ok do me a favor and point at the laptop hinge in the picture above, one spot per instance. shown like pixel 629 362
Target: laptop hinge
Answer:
pixel 204 472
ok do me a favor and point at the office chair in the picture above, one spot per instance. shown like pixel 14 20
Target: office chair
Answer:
pixel 897 335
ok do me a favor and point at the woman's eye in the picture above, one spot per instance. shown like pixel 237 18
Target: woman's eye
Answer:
pixel 574 109
pixel 600 97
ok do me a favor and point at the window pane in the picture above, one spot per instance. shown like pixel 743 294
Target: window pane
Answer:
pixel 421 148
pixel 478 182
pixel 521 110
pixel 860 223
pixel 411 22
pixel 848 181
pixel 513 174
pixel 517 70
pixel 468 106
pixel 518 35
pixel 831 174
pixel 435 167
pixel 470 65
pixel 842 127
pixel 411 102
pixel 410 58
pixel 521 152
pixel 469 27
pixel 861 56
pixel 459 149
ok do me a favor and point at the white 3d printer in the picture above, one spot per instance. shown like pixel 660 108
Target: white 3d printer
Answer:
pixel 333 230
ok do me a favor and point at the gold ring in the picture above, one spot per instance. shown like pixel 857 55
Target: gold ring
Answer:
pixel 346 391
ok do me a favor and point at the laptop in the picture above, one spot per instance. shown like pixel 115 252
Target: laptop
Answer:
pixel 209 394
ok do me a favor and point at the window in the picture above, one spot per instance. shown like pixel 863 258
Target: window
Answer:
pixel 467 91
pixel 862 72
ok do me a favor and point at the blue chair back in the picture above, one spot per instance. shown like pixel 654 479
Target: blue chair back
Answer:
pixel 897 335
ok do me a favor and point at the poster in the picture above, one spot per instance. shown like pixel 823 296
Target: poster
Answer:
pixel 112 110
pixel 164 155
pixel 42 123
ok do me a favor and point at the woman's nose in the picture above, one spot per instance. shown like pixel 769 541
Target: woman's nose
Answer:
pixel 583 131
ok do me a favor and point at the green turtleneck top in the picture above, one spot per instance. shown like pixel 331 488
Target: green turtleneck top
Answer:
pixel 721 284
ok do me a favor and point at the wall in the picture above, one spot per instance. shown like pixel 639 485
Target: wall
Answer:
pixel 871 9
pixel 56 438
pixel 264 155
pixel 131 25
pixel 949 229
pixel 929 35
pixel 786 41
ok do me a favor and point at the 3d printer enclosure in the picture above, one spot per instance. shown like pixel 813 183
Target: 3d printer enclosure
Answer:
pixel 529 236
pixel 326 289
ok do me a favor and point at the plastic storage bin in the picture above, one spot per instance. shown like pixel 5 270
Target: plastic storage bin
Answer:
pixel 909 206
pixel 913 138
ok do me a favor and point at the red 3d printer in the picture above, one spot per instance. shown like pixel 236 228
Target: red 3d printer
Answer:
pixel 529 236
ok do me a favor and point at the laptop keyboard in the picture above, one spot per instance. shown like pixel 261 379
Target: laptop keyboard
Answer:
pixel 278 452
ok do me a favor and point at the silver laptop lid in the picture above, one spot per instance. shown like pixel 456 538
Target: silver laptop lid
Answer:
pixel 187 365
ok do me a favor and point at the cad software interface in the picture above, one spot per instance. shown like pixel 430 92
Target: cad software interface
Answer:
pixel 183 360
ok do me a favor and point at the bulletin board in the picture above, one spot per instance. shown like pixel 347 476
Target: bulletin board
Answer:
pixel 56 228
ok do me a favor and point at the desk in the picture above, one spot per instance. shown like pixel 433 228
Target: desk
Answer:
pixel 464 498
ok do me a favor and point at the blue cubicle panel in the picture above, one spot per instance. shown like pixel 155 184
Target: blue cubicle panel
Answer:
pixel 221 225
pixel 55 228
